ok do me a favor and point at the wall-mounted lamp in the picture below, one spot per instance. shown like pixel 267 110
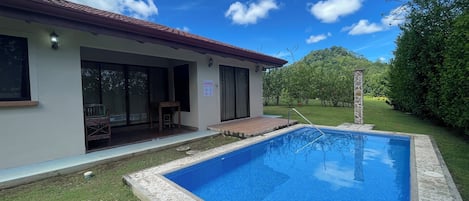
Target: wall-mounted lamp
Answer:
pixel 54 40
pixel 257 68
pixel 210 62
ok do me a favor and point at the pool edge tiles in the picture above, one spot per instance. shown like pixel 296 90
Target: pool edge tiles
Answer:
pixel 434 182
pixel 150 184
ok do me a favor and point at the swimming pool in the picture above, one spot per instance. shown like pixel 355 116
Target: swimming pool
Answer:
pixel 303 165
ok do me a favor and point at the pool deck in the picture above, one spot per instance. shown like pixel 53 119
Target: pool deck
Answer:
pixel 430 178
pixel 356 127
pixel 250 127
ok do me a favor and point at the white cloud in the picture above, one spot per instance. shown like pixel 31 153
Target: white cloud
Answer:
pixel 363 27
pixel 329 11
pixel 317 38
pixel 396 17
pixel 141 9
pixel 249 14
pixel 382 59
pixel 184 28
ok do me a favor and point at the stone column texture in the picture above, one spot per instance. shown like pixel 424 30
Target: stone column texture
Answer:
pixel 358 96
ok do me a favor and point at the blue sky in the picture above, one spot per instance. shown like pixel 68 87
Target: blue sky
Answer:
pixel 285 29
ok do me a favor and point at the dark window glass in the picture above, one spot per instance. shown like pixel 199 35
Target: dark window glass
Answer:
pixel 113 92
pixel 125 90
pixel 181 86
pixel 91 81
pixel 137 89
pixel 14 69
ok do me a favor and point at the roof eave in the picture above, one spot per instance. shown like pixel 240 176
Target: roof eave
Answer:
pixel 74 15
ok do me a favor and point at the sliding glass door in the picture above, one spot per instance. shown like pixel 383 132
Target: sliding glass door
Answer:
pixel 124 90
pixel 137 83
pixel 113 93
pixel 234 89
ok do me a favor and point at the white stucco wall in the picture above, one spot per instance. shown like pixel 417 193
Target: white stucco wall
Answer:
pixel 49 130
pixel 54 128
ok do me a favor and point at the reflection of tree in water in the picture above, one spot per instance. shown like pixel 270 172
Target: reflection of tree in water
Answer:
pixel 299 142
pixel 293 142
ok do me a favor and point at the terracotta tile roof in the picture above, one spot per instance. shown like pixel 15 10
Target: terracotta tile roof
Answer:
pixel 64 10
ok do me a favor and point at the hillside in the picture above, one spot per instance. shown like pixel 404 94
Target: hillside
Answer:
pixel 325 74
pixel 339 57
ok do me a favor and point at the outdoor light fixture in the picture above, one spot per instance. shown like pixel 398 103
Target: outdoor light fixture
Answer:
pixel 210 62
pixel 54 40
pixel 257 68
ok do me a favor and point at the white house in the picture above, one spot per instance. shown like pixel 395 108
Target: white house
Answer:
pixel 124 63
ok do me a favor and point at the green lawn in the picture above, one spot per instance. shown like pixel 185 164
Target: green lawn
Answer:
pixel 107 184
pixel 454 147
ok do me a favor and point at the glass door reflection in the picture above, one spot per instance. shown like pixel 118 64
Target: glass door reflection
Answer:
pixel 138 95
pixel 113 92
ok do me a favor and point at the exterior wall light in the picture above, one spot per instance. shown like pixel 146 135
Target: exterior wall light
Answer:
pixel 210 62
pixel 54 40
pixel 257 68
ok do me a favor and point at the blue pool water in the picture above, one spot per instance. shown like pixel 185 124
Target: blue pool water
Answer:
pixel 340 165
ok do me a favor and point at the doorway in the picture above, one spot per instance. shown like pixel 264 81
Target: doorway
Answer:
pixel 234 90
pixel 125 90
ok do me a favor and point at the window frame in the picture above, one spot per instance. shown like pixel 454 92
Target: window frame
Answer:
pixel 25 98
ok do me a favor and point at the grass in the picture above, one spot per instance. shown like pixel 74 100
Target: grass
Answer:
pixel 453 146
pixel 107 184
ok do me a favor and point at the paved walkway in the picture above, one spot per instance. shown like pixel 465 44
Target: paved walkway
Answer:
pixel 15 176
pixel 357 127
pixel 251 127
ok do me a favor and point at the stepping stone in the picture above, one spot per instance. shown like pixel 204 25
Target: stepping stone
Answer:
pixel 192 152
pixel 183 148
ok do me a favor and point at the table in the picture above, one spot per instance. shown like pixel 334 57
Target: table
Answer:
pixel 168 104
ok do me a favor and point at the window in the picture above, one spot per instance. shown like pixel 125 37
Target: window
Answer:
pixel 14 69
pixel 181 86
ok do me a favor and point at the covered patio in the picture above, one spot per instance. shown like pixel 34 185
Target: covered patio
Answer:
pixel 122 136
pixel 131 88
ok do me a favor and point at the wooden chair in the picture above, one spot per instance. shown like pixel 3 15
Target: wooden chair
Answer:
pixel 97 123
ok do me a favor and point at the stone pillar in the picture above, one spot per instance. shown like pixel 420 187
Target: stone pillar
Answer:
pixel 358 96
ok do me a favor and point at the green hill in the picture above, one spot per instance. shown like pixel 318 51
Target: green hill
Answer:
pixel 325 74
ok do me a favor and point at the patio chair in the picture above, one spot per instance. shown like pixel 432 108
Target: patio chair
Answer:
pixel 97 123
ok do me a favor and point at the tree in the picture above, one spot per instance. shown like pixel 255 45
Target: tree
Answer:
pixel 428 75
pixel 455 76
pixel 273 85
pixel 324 74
